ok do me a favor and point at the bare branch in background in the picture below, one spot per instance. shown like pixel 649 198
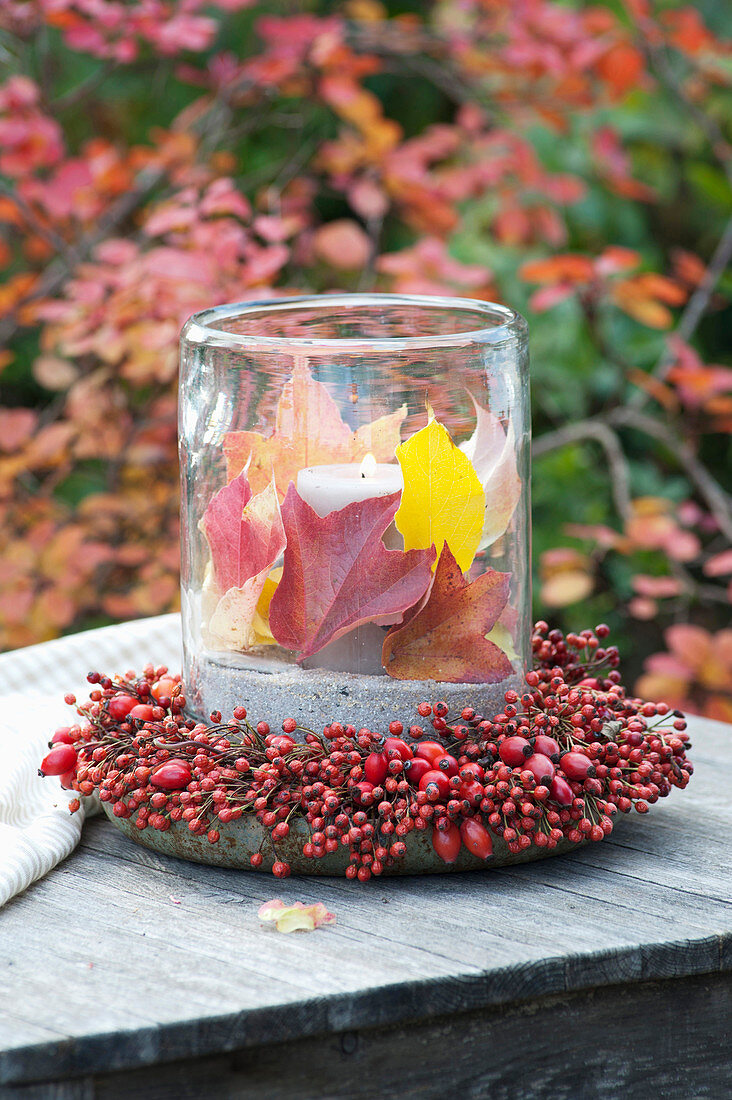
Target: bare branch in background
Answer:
pixel 599 432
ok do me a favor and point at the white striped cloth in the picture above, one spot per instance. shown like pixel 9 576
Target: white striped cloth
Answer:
pixel 36 829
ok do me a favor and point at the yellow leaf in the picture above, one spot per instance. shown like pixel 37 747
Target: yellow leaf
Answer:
pixel 260 622
pixel 500 635
pixel 443 500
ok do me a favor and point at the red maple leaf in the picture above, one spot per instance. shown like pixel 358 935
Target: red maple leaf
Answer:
pixel 338 574
pixel 445 639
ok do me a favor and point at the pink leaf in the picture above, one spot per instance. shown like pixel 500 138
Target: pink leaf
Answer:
pixel 493 454
pixel 338 574
pixel 244 533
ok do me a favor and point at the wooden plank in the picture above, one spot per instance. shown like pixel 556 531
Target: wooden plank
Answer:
pixel 666 1038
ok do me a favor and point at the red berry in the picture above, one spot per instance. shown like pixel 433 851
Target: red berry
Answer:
pixel 560 791
pixel 514 750
pixel 163 688
pixel 144 712
pixel 447 844
pixel 476 838
pixel 173 775
pixel 119 706
pixel 576 765
pixel 472 791
pixel 60 759
pixel 546 745
pixel 395 744
pixel 63 736
pixel 540 767
pixel 429 751
pixel 364 793
pixel 435 784
pixel 446 763
pixel 376 767
pixel 416 768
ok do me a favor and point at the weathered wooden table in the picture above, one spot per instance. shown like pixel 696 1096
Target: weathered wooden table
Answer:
pixel 603 973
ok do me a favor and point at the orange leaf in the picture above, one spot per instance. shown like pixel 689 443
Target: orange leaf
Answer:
pixel 571 268
pixel 621 68
pixel 446 639
pixel 308 431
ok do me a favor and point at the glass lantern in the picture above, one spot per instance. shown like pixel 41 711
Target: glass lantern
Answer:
pixel 355 508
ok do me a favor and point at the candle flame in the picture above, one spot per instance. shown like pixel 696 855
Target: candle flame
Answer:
pixel 368 466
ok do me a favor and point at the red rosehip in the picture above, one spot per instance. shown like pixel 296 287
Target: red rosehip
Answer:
pixel 144 712
pixel 546 745
pixel 476 838
pixel 376 767
pixel 435 784
pixel 473 791
pixel 119 706
pixel 61 758
pixel 163 688
pixel 364 792
pixel 560 791
pixel 447 844
pixel 396 744
pixel 514 751
pixel 173 775
pixel 576 765
pixel 446 763
pixel 63 736
pixel 540 767
pixel 429 751
pixel 417 767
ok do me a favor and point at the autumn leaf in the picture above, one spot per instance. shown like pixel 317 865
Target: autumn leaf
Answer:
pixel 245 536
pixel 446 640
pixel 443 500
pixel 492 452
pixel 308 431
pixel 338 574
pixel 260 623
pixel 296 917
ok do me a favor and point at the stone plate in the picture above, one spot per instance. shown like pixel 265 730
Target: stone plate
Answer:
pixel 241 838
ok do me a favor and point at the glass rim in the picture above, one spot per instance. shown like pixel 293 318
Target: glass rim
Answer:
pixel 503 324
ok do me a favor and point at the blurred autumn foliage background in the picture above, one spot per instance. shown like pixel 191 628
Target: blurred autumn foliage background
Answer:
pixel 158 157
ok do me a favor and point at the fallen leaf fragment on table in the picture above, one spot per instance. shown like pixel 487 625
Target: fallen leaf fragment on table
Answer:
pixel 445 640
pixel 309 431
pixel 296 917
pixel 245 536
pixel 492 451
pixel 443 500
pixel 338 574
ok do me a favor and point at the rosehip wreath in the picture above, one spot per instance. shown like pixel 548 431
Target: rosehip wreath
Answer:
pixel 555 765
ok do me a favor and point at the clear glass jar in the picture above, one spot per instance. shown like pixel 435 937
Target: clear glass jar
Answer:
pixel 355 507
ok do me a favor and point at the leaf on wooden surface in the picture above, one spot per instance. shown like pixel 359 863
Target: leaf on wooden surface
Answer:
pixel 446 640
pixel 443 500
pixel 309 431
pixel 338 574
pixel 296 917
pixel 492 452
pixel 245 535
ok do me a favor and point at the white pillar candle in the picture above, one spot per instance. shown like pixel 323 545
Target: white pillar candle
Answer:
pixel 327 489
